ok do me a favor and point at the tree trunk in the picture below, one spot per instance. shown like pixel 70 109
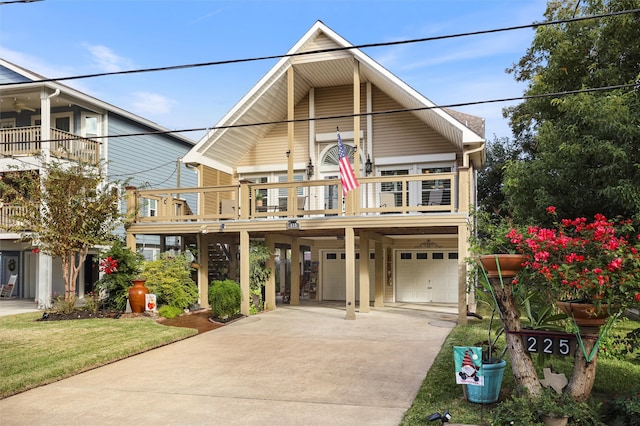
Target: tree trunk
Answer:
pixel 521 363
pixel 584 373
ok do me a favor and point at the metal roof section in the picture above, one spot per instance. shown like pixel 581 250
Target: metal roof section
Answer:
pixel 223 147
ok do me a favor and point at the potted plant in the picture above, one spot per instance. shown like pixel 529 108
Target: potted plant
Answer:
pixel 259 198
pixel 493 363
pixel 580 262
pixel 496 255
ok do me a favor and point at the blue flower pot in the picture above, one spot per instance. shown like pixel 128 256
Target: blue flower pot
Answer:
pixel 488 393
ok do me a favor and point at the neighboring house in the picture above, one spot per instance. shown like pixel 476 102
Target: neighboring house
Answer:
pixel 408 219
pixel 48 117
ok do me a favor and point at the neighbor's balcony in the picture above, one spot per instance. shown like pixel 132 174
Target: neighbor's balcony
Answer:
pixel 408 194
pixel 8 212
pixel 17 141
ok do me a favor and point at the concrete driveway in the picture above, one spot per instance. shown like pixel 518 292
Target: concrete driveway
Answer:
pixel 297 365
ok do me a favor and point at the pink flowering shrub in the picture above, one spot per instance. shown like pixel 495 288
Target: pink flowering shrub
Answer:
pixel 596 261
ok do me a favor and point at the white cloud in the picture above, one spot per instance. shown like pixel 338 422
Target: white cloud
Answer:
pixel 150 103
pixel 106 59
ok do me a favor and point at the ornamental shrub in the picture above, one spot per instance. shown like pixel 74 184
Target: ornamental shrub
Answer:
pixel 169 278
pixel 225 298
pixel 169 312
pixel 120 265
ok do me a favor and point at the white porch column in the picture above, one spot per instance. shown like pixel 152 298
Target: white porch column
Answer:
pixel 350 266
pixel 364 273
pixel 44 284
pixel 244 272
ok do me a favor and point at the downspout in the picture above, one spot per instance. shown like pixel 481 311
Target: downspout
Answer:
pixel 465 158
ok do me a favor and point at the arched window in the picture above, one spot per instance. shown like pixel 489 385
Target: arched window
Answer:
pixel 332 157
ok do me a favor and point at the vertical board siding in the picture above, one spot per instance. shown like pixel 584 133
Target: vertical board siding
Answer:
pixel 335 101
pixel 273 147
pixel 213 177
pixel 402 134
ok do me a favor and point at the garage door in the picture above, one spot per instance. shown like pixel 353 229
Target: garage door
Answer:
pixel 333 276
pixel 426 276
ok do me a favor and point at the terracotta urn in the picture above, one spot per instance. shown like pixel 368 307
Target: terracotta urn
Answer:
pixel 137 295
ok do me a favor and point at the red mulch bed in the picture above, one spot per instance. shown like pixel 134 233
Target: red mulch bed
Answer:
pixel 200 320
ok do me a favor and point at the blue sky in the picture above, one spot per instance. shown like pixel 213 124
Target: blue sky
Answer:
pixel 59 38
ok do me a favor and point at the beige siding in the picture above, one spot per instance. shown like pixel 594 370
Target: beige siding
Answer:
pixel 213 177
pixel 402 134
pixel 335 101
pixel 273 147
pixel 320 42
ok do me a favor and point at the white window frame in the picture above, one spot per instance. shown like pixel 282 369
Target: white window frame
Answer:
pixel 7 123
pixel 36 120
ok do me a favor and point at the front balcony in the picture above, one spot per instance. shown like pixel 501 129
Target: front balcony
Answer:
pixel 26 141
pixel 379 195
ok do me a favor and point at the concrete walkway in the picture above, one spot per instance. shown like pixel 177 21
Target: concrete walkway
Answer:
pixel 297 365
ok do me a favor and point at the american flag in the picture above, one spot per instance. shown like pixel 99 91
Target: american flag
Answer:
pixel 347 176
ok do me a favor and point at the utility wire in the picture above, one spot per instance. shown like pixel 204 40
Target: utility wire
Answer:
pixel 333 49
pixel 635 85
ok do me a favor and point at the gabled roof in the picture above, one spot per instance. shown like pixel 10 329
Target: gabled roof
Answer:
pixel 266 102
pixel 25 81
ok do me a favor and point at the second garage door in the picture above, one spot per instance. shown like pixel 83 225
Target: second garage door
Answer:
pixel 426 276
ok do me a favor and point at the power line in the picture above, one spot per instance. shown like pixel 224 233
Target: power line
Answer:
pixel 328 50
pixel 364 114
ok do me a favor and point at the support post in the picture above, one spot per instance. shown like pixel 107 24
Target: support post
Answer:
pixel 350 281
pixel 379 286
pixel 365 295
pixel 270 290
pixel 295 272
pixel 244 272
pixel 203 270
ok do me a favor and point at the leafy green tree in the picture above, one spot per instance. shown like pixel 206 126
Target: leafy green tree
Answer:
pixel 583 155
pixel 581 150
pixel 499 152
pixel 65 211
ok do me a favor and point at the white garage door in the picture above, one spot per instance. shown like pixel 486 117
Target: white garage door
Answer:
pixel 426 276
pixel 333 276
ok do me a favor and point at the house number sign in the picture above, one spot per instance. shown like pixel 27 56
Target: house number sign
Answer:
pixel 548 342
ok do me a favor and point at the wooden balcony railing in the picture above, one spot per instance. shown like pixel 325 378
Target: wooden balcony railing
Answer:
pixel 17 141
pixel 7 214
pixel 408 194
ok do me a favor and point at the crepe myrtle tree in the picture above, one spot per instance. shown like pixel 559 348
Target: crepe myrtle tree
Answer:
pixel 65 210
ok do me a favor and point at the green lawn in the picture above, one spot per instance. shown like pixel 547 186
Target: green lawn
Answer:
pixel 33 353
pixel 439 391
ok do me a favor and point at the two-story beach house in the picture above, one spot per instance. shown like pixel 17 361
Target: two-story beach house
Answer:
pixel 38 116
pixel 268 171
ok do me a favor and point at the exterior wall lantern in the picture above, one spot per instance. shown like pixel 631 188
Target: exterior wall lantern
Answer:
pixel 368 166
pixel 310 169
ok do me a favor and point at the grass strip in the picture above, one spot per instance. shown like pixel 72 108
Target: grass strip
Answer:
pixel 34 353
pixel 439 392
